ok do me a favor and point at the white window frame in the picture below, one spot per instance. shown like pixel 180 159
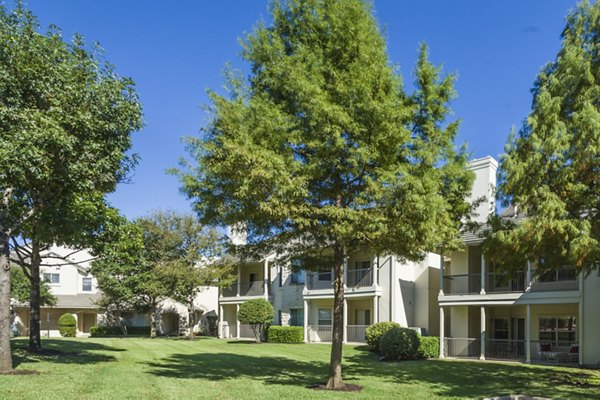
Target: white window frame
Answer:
pixel 319 320
pixel 49 278
pixel 83 284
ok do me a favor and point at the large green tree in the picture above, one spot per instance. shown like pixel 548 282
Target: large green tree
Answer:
pixel 65 123
pixel 323 150
pixel 163 255
pixel 551 168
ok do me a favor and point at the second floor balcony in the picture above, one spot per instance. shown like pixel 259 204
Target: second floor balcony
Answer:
pixel 246 289
pixel 354 278
pixel 565 278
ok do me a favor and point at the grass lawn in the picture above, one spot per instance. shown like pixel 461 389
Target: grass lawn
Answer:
pixel 138 368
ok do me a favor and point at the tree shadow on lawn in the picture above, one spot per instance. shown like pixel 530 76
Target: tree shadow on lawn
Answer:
pixel 226 366
pixel 62 352
pixel 476 379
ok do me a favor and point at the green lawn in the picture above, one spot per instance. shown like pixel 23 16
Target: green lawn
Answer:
pixel 137 368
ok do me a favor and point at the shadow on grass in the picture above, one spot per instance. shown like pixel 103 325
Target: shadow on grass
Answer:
pixel 475 379
pixel 226 366
pixel 62 352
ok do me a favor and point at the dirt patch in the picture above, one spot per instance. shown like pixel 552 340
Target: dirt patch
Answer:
pixel 21 372
pixel 348 387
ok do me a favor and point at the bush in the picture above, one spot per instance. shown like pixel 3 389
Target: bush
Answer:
pixel 429 347
pixel 104 331
pixel 257 313
pixel 374 333
pixel 400 344
pixel 285 334
pixel 67 325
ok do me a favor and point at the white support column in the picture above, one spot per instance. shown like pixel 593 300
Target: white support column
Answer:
pixel 239 280
pixel 482 338
pixel 220 321
pixel 305 321
pixel 345 336
pixel 528 333
pixel 442 332
pixel 579 320
pixel 482 291
pixel 441 274
pixel 266 279
pixel 237 321
pixel 345 273
pixel 528 277
pixel 375 309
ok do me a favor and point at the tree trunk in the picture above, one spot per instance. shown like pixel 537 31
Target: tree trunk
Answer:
pixel 5 356
pixel 191 322
pixel 153 320
pixel 35 341
pixel 335 364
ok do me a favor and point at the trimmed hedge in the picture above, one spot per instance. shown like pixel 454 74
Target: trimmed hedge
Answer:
pixel 429 347
pixel 374 333
pixel 67 325
pixel 285 334
pixel 400 344
pixel 104 331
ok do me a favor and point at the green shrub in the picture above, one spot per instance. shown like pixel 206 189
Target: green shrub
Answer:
pixel 400 344
pixel 374 333
pixel 429 347
pixel 67 325
pixel 285 334
pixel 257 313
pixel 104 331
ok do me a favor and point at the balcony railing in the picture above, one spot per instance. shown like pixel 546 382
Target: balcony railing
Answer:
pixel 462 284
pixel 564 278
pixel 356 333
pixel 497 282
pixel 359 277
pixel 315 281
pixel 502 349
pixel 462 347
pixel 246 332
pixel 503 282
pixel 320 333
pixel 256 288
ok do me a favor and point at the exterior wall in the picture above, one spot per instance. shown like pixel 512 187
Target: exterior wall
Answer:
pixel 287 296
pixel 358 306
pixel 460 321
pixel 71 275
pixel 49 321
pixel 590 320
pixel 459 262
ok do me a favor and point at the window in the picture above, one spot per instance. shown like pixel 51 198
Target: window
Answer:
pixel 298 277
pixel 297 317
pixel 560 331
pixel 324 316
pixel 500 326
pixel 86 285
pixel 52 278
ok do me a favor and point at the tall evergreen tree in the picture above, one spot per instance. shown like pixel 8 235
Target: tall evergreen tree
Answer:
pixel 551 168
pixel 322 150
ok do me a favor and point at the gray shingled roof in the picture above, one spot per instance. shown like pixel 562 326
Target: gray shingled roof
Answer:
pixel 77 301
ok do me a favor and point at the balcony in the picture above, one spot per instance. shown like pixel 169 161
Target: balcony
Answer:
pixel 359 277
pixel 502 282
pixel 256 288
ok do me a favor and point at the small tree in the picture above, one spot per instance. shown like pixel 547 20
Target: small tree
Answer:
pixel 257 313
pixel 20 288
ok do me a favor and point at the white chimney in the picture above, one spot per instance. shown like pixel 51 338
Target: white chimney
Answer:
pixel 484 186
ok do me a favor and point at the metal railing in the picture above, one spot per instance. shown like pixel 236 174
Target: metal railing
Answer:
pixel 320 333
pixel 359 277
pixel 555 352
pixel 246 331
pixel 228 331
pixel 314 283
pixel 497 282
pixel 356 333
pixel 503 349
pixel 564 278
pixel 462 284
pixel 255 288
pixel 462 347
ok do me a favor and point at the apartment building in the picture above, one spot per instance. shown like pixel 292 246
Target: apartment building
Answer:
pixel 487 314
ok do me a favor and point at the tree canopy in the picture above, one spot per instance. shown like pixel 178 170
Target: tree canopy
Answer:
pixel 551 169
pixel 66 120
pixel 322 148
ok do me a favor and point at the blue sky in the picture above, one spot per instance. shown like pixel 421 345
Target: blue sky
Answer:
pixel 174 51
